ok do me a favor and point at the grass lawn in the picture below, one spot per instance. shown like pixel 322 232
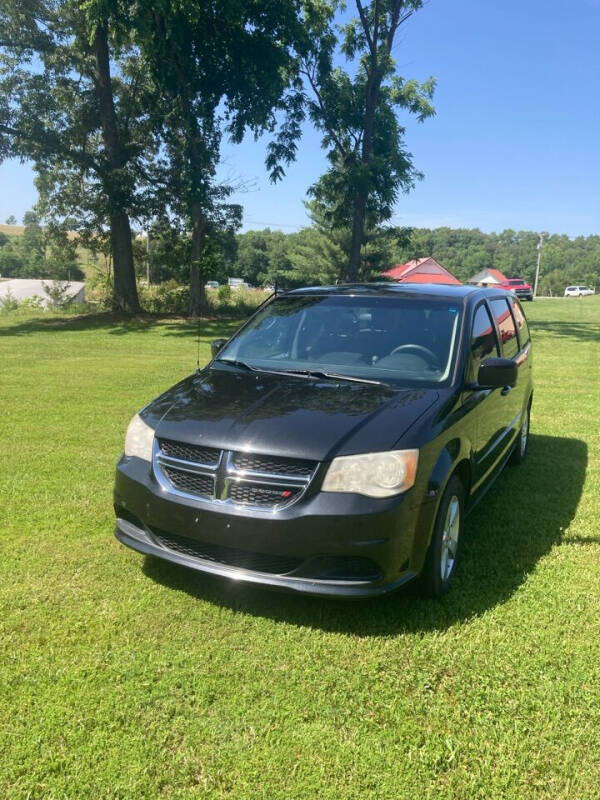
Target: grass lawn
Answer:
pixel 124 677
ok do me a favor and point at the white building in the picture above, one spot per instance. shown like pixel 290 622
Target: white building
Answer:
pixel 24 288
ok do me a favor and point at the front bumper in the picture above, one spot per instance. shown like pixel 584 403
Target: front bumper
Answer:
pixel 524 294
pixel 325 544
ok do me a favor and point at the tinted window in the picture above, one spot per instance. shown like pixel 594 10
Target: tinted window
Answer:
pixel 407 340
pixel 521 323
pixel 483 340
pixel 506 326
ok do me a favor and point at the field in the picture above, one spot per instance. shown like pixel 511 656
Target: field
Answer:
pixel 123 677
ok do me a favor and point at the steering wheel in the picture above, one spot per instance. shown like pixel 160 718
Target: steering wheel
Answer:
pixel 432 359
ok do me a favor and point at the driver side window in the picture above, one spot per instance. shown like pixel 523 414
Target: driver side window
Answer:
pixel 269 339
pixel 483 340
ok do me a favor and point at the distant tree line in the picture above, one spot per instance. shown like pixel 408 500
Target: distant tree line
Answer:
pixel 316 256
pixel 313 255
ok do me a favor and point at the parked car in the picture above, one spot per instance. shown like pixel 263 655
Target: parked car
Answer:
pixel 238 283
pixel 578 291
pixel 211 285
pixel 519 287
pixel 334 445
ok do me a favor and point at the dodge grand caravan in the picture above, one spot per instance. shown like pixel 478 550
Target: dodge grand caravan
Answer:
pixel 334 445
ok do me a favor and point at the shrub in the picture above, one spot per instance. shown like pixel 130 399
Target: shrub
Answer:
pixel 34 303
pixel 224 294
pixel 58 293
pixel 165 298
pixel 8 303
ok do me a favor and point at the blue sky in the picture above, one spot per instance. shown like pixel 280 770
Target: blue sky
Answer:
pixel 515 142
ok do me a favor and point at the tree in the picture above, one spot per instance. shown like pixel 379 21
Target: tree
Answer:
pixel 62 260
pixel 62 107
pixel 229 67
pixel 262 257
pixel 315 258
pixel 32 246
pixel 12 220
pixel 356 114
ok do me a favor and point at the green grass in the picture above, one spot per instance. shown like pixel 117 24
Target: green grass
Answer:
pixel 124 677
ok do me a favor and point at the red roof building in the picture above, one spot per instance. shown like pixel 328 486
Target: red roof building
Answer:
pixel 420 270
pixel 488 277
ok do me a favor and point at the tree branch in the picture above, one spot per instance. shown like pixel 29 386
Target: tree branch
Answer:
pixel 396 22
pixel 83 158
pixel 327 123
pixel 365 24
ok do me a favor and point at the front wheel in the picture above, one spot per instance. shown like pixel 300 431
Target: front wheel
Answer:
pixel 446 541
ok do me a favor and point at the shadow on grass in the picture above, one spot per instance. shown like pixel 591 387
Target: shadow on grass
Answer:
pixel 517 523
pixel 120 325
pixel 584 331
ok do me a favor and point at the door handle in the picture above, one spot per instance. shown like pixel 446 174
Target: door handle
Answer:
pixel 506 390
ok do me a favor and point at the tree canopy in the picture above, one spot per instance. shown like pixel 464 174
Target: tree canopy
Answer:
pixel 356 111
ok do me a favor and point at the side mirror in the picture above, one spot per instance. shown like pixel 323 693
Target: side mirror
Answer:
pixel 216 346
pixel 497 372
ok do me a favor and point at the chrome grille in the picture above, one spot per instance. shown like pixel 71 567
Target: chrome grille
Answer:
pixel 190 452
pixel 250 480
pixel 192 482
pixel 251 462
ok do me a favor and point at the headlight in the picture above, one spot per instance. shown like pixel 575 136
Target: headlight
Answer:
pixel 139 439
pixel 373 474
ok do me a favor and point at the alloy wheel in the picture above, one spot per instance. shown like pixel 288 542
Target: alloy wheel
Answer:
pixel 450 536
pixel 524 433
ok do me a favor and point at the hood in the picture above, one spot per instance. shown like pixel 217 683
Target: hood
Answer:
pixel 283 415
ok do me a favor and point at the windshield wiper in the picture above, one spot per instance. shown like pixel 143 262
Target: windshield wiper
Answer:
pixel 300 373
pixel 240 364
pixel 318 373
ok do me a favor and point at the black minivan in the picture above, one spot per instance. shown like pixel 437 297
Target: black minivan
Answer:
pixel 335 443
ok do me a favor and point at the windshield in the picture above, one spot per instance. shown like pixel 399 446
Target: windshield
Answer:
pixel 516 281
pixel 397 340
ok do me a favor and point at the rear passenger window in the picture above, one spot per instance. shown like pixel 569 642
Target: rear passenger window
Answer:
pixel 483 340
pixel 506 326
pixel 521 322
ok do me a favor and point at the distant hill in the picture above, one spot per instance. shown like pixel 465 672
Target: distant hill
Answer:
pixel 17 230
pixel 12 230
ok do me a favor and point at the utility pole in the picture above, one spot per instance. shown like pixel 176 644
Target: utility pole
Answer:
pixel 539 259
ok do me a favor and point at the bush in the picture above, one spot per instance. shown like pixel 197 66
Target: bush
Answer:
pixel 224 294
pixel 34 303
pixel 173 298
pixel 99 289
pixel 165 298
pixel 236 301
pixel 8 303
pixel 58 294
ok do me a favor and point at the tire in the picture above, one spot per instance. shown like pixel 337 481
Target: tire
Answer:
pixel 446 541
pixel 519 454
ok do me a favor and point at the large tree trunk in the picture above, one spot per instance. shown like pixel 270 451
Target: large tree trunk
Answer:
pixel 358 236
pixel 125 296
pixel 373 87
pixel 198 303
pixel 359 205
